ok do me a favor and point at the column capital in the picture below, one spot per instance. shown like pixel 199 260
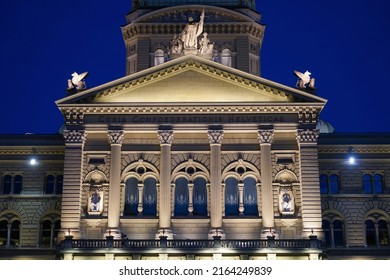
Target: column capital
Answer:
pixel 265 136
pixel 75 136
pixel 215 136
pixel 307 136
pixel 116 136
pixel 165 137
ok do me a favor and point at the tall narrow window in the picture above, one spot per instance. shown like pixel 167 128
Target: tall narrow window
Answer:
pixel 131 197
pixel 18 184
pixel 226 57
pixel 383 231
pixel 159 57
pixel 231 197
pixel 370 233
pixel 150 197
pixel 338 233
pixel 378 183
pixel 7 184
pixel 3 232
pixel 200 197
pixel 15 233
pixel 367 183
pixel 60 184
pixel 49 184
pixel 324 183
pixel 181 197
pixel 333 183
pixel 327 232
pixel 250 197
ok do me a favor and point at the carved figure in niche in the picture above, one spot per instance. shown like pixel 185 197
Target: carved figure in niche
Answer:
pixel 206 47
pixel 189 36
pixel 94 203
pixel 286 202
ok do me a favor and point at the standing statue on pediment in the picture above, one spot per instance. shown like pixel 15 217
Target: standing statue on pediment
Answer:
pixel 206 47
pixel 189 36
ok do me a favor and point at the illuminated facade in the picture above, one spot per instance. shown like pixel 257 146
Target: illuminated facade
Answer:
pixel 193 155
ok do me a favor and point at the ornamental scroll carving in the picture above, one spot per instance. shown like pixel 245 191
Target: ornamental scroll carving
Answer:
pixel 215 136
pixel 165 136
pixel 265 136
pixel 74 136
pixel 307 136
pixel 116 136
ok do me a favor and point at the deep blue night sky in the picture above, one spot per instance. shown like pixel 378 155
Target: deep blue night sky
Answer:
pixel 344 44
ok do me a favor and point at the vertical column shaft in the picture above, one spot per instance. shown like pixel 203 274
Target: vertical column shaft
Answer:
pixel 165 137
pixel 265 139
pixel 215 139
pixel 114 191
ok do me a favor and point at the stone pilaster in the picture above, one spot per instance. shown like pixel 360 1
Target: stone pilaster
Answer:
pixel 215 140
pixel 115 138
pixel 267 211
pixel 166 138
pixel 310 185
pixel 71 195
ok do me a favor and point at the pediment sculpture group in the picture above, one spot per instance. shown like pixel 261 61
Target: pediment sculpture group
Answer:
pixel 187 41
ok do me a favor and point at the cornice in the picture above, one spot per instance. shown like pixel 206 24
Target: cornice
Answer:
pixel 29 152
pixel 307 114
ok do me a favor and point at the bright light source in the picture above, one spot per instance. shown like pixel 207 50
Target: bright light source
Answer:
pixel 351 160
pixel 33 161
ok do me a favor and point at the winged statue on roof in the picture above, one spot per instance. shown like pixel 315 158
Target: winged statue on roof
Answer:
pixel 77 81
pixel 304 79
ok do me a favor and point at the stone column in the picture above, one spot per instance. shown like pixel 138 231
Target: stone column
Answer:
pixel 310 185
pixel 215 139
pixel 165 137
pixel 114 192
pixel 267 200
pixel 9 233
pixel 241 198
pixel 71 206
pixel 190 198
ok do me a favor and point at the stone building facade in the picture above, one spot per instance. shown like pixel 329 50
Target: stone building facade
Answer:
pixel 192 155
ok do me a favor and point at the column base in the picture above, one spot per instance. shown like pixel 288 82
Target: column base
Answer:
pixel 269 232
pixel 216 233
pixel 116 233
pixel 164 232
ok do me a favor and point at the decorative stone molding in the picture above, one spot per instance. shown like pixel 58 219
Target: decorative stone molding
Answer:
pixel 309 114
pixel 75 136
pixel 165 137
pixel 215 136
pixel 116 136
pixel 265 136
pixel 306 136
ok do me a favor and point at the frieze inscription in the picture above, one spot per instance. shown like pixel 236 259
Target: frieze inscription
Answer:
pixel 190 119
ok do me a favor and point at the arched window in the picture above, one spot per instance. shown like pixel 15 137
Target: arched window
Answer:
pixel 333 183
pixel 181 197
pixel 250 197
pixel 49 184
pixel 338 233
pixel 49 232
pixel 370 233
pixel 15 233
pixel 324 184
pixel 367 183
pixel 226 57
pixel 159 57
pixel 378 183
pixel 150 197
pixel 334 233
pixel 18 184
pixel 131 197
pixel 200 197
pixel 383 231
pixel 329 184
pixel 7 184
pixel 231 197
pixel 3 232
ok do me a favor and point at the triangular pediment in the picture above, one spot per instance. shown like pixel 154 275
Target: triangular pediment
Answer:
pixel 190 79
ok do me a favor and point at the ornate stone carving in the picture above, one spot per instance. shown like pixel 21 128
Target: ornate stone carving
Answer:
pixel 215 136
pixel 74 136
pixel 265 136
pixel 116 136
pixel 165 136
pixel 307 136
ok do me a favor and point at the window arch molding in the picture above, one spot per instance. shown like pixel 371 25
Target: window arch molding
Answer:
pixel 48 236
pixel 376 228
pixel 9 235
pixel 233 169
pixel 185 167
pixel 334 227
pixel 141 169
